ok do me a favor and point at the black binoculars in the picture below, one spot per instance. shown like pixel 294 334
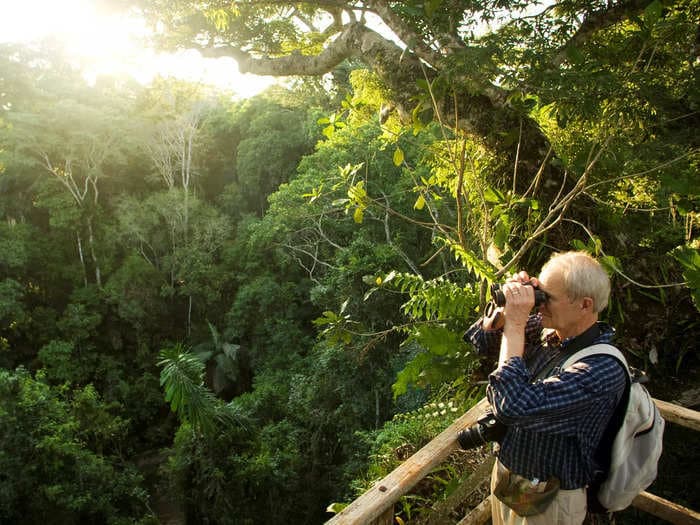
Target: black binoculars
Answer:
pixel 499 298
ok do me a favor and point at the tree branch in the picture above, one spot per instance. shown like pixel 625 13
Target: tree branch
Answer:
pixel 413 41
pixel 397 68
pixel 600 20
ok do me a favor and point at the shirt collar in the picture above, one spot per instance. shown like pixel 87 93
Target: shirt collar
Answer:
pixel 599 330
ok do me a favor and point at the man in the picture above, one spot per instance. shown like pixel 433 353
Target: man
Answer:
pixel 554 418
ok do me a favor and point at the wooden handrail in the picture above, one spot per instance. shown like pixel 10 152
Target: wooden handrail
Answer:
pixel 383 494
pixel 379 499
pixel 666 510
pixel 680 415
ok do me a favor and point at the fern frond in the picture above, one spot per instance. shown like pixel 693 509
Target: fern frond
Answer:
pixel 182 377
pixel 480 268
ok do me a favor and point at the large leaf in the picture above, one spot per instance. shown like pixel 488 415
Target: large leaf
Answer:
pixel 438 340
pixel 689 258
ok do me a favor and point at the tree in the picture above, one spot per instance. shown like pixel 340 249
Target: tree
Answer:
pixel 180 238
pixel 60 456
pixel 498 72
pixel 70 134
pixel 477 45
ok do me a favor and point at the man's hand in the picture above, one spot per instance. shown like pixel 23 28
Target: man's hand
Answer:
pixel 496 319
pixel 520 300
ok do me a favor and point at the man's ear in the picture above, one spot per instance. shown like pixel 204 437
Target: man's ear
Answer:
pixel 587 303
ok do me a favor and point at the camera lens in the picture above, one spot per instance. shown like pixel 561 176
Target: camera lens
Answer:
pixel 486 429
pixel 471 437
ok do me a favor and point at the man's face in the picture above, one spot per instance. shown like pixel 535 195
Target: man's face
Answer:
pixel 559 312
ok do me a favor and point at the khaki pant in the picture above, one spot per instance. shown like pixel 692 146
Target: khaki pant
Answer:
pixel 567 508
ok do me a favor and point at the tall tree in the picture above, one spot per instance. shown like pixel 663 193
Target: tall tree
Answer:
pixel 481 68
pixel 70 134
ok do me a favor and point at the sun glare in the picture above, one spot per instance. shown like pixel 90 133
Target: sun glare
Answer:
pixel 113 44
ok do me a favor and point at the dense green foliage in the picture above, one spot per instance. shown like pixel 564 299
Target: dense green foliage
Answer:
pixel 63 456
pixel 271 293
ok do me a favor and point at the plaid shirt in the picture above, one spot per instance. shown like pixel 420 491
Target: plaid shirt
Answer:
pixel 555 424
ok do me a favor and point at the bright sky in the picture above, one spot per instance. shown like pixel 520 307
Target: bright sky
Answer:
pixel 111 43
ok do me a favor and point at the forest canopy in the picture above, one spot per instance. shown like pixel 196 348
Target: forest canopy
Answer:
pixel 242 311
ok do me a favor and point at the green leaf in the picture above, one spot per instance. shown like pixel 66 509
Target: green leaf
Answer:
pixel 410 374
pixel 336 507
pixel 328 317
pixel 438 340
pixel 422 84
pixel 689 259
pixel 502 232
pixel 358 215
pixel 220 18
pixel 493 196
pixel 652 13
pixel 472 262
pixel 398 157
pixel 611 264
pixel 579 245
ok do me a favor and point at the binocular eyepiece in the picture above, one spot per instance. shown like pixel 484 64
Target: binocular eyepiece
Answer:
pixel 499 298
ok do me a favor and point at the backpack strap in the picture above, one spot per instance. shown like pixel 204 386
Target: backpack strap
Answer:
pixel 603 453
pixel 599 349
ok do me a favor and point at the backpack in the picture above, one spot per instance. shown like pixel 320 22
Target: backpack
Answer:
pixel 631 445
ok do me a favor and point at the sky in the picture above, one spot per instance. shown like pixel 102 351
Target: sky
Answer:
pixel 112 44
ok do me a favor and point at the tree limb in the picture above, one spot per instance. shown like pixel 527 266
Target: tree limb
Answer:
pixel 409 37
pixel 398 69
pixel 600 20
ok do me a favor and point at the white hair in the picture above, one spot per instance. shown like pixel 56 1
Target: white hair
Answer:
pixel 582 276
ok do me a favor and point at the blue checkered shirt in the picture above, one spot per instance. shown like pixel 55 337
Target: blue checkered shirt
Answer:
pixel 554 425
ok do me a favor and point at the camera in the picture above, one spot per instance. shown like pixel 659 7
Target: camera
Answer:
pixel 499 298
pixel 487 428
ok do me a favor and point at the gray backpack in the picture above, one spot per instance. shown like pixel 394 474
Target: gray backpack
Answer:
pixel 635 447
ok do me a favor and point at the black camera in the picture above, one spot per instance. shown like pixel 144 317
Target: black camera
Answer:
pixel 499 298
pixel 487 428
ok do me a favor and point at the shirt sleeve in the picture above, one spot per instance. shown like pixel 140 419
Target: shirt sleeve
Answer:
pixel 488 342
pixel 558 403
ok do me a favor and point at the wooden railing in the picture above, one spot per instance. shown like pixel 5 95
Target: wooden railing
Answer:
pixel 376 506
